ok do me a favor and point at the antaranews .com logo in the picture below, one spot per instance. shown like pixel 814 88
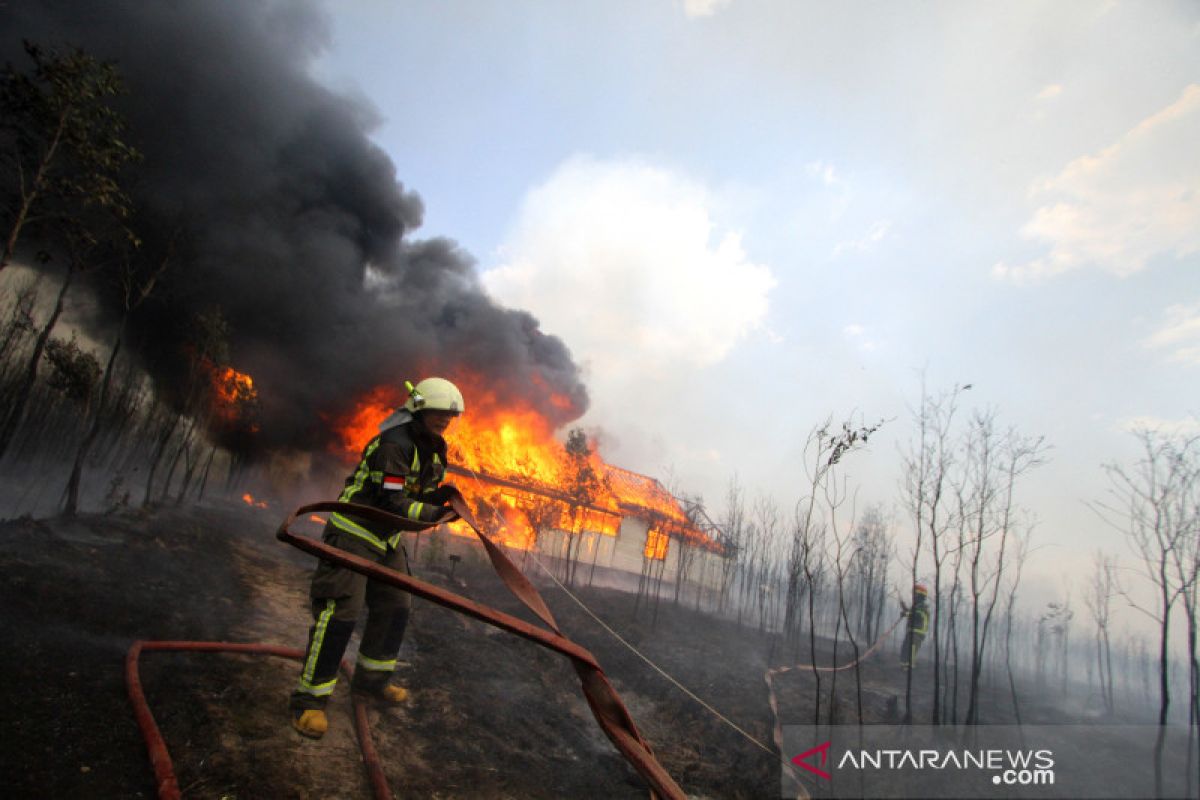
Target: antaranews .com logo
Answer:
pixel 1082 762
pixel 1006 767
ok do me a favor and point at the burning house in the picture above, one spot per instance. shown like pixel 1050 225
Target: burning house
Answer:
pixel 633 532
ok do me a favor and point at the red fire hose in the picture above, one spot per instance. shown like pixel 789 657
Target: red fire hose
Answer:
pixel 160 759
pixel 602 698
pixel 614 719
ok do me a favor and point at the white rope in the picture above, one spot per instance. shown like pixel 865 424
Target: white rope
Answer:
pixel 633 649
pixel 652 665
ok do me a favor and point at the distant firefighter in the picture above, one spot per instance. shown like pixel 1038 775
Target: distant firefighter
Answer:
pixel 918 624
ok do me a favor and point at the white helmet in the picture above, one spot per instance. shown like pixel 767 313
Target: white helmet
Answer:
pixel 434 394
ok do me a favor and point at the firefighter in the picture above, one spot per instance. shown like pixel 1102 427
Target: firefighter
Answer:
pixel 918 624
pixel 400 471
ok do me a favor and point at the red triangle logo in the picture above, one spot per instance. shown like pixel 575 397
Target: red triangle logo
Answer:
pixel 823 749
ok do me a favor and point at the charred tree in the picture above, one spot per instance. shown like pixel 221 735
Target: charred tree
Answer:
pixel 1021 551
pixel 20 322
pixel 64 143
pixel 24 389
pixel 137 281
pixel 926 484
pixel 1155 504
pixel 584 486
pixel 733 529
pixel 823 451
pixel 1097 598
pixel 207 347
pixel 993 465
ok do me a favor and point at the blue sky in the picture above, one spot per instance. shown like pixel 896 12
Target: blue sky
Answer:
pixel 745 216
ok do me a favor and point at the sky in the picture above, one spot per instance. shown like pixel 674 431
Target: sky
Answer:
pixel 746 217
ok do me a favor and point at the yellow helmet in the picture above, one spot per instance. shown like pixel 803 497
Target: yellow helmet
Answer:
pixel 434 394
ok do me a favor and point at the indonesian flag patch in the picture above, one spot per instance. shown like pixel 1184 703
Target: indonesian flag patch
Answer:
pixel 393 483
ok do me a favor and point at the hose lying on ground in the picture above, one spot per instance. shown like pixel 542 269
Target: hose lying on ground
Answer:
pixel 606 706
pixel 769 678
pixel 166 784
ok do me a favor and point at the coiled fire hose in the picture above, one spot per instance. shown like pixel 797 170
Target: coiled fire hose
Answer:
pixel 614 719
pixel 166 784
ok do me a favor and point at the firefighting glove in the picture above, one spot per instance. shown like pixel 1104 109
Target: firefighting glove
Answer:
pixel 435 513
pixel 442 494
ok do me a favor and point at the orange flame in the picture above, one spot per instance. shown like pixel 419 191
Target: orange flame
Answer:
pixel 233 392
pixel 249 500
pixel 521 479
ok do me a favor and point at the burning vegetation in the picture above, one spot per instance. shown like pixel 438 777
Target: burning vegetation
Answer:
pixel 233 391
pixel 249 500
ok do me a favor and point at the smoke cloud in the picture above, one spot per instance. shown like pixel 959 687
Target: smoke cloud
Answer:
pixel 297 222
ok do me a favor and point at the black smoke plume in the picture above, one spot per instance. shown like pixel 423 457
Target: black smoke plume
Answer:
pixel 298 229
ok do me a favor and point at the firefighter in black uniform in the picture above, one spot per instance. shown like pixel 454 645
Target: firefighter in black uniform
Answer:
pixel 400 471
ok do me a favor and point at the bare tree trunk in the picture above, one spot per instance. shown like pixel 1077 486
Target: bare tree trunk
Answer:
pixel 161 447
pixel 1012 683
pixel 1193 716
pixel 595 555
pixel 31 193
pixel 643 584
pixel 207 466
pixel 1164 689
pixel 183 447
pixel 952 685
pixel 662 567
pixel 857 668
pixel 21 398
pixel 812 645
pixel 85 445
pixel 191 460
pixel 20 322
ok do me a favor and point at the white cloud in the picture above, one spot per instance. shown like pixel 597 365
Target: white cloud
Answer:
pixel 1050 91
pixel 835 184
pixel 859 336
pixel 621 259
pixel 865 242
pixel 1189 426
pixel 825 171
pixel 1180 334
pixel 703 8
pixel 1136 199
pixel 628 263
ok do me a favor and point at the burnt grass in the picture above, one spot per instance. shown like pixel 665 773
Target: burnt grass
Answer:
pixel 491 715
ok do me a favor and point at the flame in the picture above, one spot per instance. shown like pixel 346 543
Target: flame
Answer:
pixel 233 394
pixel 656 545
pixel 360 425
pixel 316 518
pixel 249 500
pixel 521 479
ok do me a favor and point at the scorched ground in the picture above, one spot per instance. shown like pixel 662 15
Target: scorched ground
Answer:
pixel 491 716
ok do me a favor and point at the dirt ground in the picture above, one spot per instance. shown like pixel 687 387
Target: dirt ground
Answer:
pixel 491 716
